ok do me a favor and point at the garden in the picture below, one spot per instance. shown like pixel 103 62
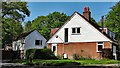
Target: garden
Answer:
pixel 45 57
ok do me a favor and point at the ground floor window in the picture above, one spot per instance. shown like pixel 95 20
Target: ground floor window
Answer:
pixel 100 46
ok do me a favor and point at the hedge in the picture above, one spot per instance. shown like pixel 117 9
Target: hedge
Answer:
pixel 40 54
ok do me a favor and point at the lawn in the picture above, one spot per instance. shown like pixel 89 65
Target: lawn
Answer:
pixel 71 62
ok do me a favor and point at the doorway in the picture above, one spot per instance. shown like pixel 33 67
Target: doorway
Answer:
pixel 54 49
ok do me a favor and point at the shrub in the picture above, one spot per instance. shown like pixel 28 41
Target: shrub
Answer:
pixel 60 57
pixel 29 52
pixel 83 58
pixel 76 56
pixel 40 54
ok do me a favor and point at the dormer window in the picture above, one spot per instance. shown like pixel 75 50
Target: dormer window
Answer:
pixel 76 30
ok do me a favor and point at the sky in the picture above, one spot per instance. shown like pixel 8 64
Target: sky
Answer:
pixel 97 9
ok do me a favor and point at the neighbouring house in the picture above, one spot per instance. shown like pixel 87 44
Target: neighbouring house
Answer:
pixel 29 40
pixel 82 37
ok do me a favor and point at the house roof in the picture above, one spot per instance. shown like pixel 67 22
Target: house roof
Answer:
pixel 23 35
pixel 53 31
pixel 93 24
pixel 96 26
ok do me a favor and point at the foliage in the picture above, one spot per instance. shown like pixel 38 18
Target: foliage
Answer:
pixel 28 26
pixel 29 52
pixel 107 53
pixel 60 57
pixel 76 56
pixel 40 54
pixel 10 30
pixel 44 23
pixel 53 20
pixel 15 10
pixel 112 20
pixel 13 13
pixel 113 17
pixel 82 58
pixel 54 62
pixel 92 20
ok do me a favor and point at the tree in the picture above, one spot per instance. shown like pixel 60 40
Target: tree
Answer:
pixel 15 10
pixel 10 30
pixel 92 20
pixel 112 20
pixel 56 19
pixel 13 13
pixel 113 17
pixel 44 23
pixel 28 26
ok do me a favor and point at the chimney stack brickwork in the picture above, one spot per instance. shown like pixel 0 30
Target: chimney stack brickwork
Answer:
pixel 87 13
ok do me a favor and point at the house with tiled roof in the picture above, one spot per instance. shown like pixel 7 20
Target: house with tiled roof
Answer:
pixel 79 36
pixel 29 40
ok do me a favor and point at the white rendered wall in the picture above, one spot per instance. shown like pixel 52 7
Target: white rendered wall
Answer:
pixel 87 32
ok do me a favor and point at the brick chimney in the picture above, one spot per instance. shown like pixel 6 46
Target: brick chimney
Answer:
pixel 87 13
pixel 53 31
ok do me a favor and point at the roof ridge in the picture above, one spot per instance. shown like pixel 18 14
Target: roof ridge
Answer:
pixel 23 35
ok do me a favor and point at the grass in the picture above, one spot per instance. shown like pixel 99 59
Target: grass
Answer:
pixel 71 62
pixel 94 62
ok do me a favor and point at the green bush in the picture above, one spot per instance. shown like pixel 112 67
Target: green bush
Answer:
pixel 29 52
pixel 40 54
pixel 76 56
pixel 83 58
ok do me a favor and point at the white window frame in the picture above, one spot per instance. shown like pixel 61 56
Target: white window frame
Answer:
pixel 98 45
pixel 76 30
pixel 41 42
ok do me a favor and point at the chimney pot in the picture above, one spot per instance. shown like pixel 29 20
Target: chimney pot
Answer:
pixel 87 13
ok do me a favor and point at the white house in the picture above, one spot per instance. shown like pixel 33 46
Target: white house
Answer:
pixel 82 37
pixel 29 40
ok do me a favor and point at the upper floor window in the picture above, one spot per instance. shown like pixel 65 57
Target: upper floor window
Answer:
pixel 76 30
pixel 38 42
pixel 100 46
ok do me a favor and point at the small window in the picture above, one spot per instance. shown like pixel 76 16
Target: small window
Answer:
pixel 73 30
pixel 76 30
pixel 37 42
pixel 100 46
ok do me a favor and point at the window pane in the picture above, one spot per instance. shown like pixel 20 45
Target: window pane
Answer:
pixel 41 42
pixel 73 30
pixel 78 30
pixel 37 42
pixel 99 47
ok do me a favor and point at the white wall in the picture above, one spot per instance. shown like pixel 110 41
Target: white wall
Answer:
pixel 30 41
pixel 88 32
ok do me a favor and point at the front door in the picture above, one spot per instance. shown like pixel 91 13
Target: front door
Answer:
pixel 54 49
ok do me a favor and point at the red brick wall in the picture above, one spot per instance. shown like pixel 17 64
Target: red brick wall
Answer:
pixel 87 49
